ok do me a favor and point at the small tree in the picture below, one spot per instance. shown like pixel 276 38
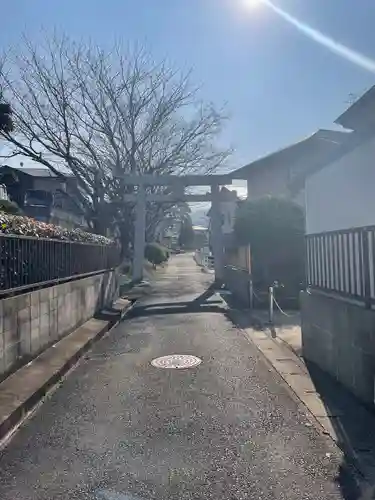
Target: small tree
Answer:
pixel 274 228
pixel 155 254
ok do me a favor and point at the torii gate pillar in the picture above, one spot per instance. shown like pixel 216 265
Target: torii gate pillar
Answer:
pixel 216 233
pixel 140 234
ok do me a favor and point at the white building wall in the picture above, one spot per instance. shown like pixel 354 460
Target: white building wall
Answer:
pixel 342 195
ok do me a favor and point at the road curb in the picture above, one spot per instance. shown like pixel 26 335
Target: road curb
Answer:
pixel 21 392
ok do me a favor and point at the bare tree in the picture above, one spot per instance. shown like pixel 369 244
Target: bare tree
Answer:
pixel 99 115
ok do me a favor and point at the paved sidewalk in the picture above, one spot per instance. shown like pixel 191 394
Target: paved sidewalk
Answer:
pixel 287 327
pixel 120 429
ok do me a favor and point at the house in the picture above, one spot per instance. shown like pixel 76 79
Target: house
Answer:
pixel 282 173
pixel 42 195
pixel 337 310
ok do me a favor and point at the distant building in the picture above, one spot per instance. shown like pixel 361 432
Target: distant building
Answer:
pixel 42 195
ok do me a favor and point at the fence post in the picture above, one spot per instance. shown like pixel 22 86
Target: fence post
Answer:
pixel 366 268
pixel 270 290
pixel 251 293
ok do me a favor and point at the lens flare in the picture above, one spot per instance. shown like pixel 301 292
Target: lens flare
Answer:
pixel 361 60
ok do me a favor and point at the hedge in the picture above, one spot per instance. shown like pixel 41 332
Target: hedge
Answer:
pixel 156 254
pixel 25 226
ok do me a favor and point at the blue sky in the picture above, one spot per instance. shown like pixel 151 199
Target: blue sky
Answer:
pixel 278 85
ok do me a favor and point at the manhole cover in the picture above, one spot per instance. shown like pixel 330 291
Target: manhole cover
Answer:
pixel 176 361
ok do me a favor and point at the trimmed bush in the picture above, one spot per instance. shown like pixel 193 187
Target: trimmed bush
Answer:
pixel 25 226
pixel 156 254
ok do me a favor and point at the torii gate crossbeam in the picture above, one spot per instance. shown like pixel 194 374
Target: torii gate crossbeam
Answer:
pixel 178 184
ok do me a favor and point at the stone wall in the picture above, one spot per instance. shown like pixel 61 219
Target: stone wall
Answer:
pixel 339 337
pixel 32 321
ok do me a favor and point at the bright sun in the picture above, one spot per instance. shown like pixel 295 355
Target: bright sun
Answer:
pixel 251 4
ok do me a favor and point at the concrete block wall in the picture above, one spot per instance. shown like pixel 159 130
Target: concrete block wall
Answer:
pixel 32 321
pixel 339 337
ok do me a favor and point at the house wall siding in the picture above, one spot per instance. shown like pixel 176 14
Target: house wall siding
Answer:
pixel 341 196
pixel 50 184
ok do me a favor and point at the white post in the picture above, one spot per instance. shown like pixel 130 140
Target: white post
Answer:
pixel 248 265
pixel 216 234
pixel 140 234
pixel 251 293
pixel 271 305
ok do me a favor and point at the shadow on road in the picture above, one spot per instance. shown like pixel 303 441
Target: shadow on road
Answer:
pixel 200 304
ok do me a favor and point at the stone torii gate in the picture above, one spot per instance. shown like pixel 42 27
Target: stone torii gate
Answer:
pixel 178 185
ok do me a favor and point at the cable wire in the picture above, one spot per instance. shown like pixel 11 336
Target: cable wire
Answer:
pixel 283 312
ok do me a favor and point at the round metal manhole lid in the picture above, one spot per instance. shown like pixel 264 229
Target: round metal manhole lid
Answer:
pixel 176 361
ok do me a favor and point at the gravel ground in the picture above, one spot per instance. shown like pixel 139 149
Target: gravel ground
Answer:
pixel 119 429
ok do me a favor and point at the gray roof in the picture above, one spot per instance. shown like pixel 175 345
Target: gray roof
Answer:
pixel 307 152
pixel 35 172
pixel 40 172
pixel 361 114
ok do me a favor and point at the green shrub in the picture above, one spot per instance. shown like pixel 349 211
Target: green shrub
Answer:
pixel 274 228
pixel 156 254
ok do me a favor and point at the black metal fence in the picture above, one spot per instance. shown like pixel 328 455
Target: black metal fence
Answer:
pixel 343 262
pixel 26 261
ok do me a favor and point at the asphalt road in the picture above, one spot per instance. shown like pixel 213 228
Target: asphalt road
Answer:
pixel 119 429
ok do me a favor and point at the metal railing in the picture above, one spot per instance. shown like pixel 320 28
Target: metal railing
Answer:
pixel 343 262
pixel 27 261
